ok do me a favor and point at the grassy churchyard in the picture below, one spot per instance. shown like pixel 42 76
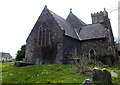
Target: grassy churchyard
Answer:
pixel 51 73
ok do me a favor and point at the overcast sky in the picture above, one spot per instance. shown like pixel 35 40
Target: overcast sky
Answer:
pixel 17 17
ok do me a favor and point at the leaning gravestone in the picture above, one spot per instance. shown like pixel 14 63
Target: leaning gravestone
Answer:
pixel 101 76
pixel 106 76
pixel 96 75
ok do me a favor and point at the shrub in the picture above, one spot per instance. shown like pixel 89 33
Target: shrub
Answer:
pixel 82 66
pixel 103 57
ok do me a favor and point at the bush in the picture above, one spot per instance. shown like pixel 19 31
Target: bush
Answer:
pixel 82 66
pixel 103 57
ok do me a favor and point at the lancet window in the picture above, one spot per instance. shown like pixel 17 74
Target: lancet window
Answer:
pixel 43 36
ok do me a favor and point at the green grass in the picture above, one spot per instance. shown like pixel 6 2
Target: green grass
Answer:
pixel 116 69
pixel 52 73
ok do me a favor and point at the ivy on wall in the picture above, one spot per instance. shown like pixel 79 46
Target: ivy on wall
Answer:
pixel 51 52
pixel 103 56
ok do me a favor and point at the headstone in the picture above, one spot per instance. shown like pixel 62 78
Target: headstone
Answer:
pixel 87 82
pixel 20 64
pixel 96 75
pixel 101 76
pixel 106 76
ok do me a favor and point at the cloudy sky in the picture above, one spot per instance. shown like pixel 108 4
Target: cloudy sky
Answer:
pixel 17 17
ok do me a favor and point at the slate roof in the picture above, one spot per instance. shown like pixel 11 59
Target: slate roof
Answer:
pixel 75 21
pixel 69 31
pixel 92 31
pixel 5 55
pixel 76 28
pixel 80 21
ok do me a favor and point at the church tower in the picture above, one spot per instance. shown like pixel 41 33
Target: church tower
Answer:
pixel 103 19
pixel 100 17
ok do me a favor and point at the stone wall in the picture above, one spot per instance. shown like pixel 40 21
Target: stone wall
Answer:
pixel 30 47
pixel 79 49
pixel 37 54
pixel 96 49
pixel 71 48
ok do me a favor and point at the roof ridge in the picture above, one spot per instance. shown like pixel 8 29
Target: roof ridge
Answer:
pixel 92 24
pixel 56 14
pixel 79 19
pixel 71 13
pixel 55 19
pixel 77 34
pixel 58 19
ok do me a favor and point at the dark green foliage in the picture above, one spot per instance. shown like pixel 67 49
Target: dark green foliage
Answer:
pixel 21 53
pixel 103 57
pixel 50 53
pixel 53 50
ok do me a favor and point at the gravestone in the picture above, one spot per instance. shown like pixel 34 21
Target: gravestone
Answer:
pixel 106 76
pixel 101 76
pixel 86 82
pixel 20 64
pixel 96 75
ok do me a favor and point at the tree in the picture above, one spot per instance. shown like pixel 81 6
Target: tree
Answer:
pixel 21 53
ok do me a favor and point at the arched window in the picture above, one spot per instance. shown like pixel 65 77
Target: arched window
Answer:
pixel 43 36
pixel 39 37
pixel 47 36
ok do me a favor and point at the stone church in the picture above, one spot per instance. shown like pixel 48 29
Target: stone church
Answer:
pixel 57 40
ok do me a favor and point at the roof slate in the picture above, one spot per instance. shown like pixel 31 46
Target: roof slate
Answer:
pixel 69 31
pixel 92 31
pixel 85 32
pixel 76 28
pixel 5 55
pixel 75 21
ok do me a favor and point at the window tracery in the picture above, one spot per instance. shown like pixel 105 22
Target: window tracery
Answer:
pixel 43 35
